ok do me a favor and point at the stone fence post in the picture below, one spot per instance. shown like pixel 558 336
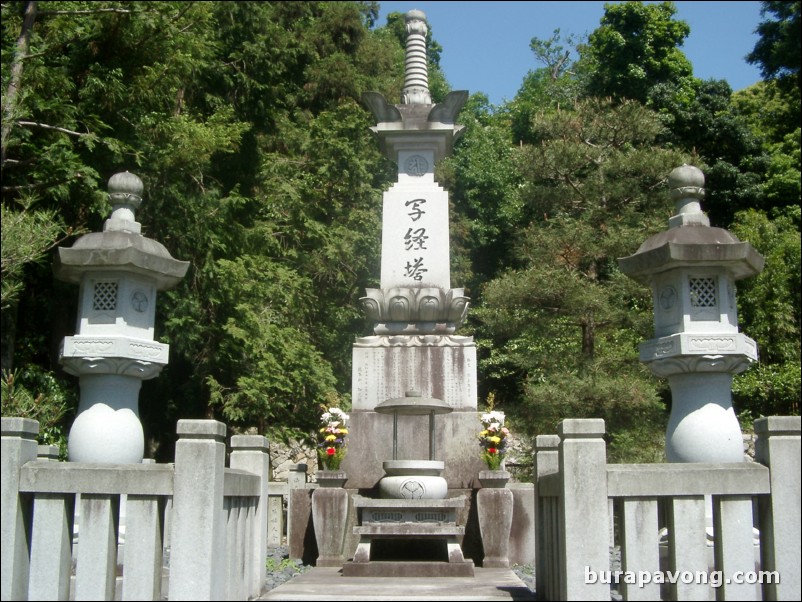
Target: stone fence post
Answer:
pixel 778 448
pixel 585 522
pixel 546 463
pixel 197 569
pixel 249 452
pixel 299 509
pixel 18 447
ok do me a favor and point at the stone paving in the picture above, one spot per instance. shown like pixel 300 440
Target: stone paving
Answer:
pixel 327 583
pixel 289 579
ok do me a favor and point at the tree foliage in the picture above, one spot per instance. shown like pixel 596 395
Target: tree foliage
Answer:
pixel 778 51
pixel 636 47
pixel 564 320
pixel 769 310
pixel 242 119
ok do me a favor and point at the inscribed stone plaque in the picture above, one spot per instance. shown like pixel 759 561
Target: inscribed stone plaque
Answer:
pixel 415 238
pixel 446 372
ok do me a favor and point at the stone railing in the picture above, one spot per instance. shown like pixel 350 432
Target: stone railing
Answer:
pixel 216 535
pixel 719 531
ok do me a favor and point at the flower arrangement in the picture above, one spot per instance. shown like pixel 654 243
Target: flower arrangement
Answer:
pixel 331 440
pixel 494 439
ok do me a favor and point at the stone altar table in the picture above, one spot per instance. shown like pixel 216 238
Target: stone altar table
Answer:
pixel 431 520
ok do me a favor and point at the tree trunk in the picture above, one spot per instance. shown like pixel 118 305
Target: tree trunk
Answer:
pixel 588 335
pixel 9 328
pixel 15 80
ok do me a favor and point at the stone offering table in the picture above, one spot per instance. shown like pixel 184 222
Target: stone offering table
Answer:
pixel 409 519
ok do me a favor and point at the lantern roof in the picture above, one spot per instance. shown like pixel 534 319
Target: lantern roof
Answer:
pixel 690 241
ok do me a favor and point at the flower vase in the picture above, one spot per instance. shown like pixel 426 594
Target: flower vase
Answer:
pixel 494 507
pixel 329 516
pixel 331 478
pixel 494 479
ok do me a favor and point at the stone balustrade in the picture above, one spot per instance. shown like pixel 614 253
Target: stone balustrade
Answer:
pixel 215 533
pixel 661 521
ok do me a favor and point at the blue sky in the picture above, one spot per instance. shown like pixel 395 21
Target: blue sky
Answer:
pixel 486 44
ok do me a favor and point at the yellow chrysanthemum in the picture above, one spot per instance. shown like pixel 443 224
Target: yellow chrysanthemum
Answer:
pixel 494 439
pixel 331 437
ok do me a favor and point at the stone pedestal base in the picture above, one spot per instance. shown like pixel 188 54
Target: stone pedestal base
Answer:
pixel 409 569
pixel 409 520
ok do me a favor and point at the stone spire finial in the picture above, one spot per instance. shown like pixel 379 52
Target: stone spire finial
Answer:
pixel 416 70
pixel 687 190
pixel 125 193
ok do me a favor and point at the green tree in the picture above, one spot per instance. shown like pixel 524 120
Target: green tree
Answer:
pixel 636 54
pixel 772 107
pixel 86 88
pixel 636 47
pixel 49 405
pixel 484 187
pixel 564 321
pixel 769 311
pixel 559 81
pixel 778 52
pixel 732 156
pixel 265 330
pixel 769 305
pixel 259 169
pixel 27 237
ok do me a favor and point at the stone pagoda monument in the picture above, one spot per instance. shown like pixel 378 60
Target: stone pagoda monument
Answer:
pixel 119 272
pixel 414 349
pixel 692 269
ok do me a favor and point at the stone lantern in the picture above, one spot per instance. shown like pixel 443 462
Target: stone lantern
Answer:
pixel 692 269
pixel 119 272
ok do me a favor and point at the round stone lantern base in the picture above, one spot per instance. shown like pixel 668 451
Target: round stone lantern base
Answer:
pixel 104 435
pixel 703 426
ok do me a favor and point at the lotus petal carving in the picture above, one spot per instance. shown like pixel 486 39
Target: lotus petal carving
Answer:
pixel 429 309
pixel 398 309
pixel 371 308
pixel 415 310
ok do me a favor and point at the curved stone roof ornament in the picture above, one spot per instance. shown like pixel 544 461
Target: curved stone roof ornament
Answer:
pixel 120 246
pixel 689 239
